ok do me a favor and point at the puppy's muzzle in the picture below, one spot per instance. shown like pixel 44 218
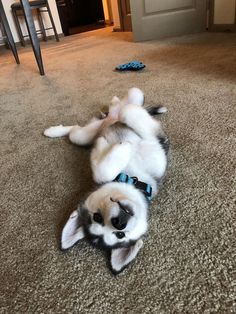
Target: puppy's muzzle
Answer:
pixel 120 222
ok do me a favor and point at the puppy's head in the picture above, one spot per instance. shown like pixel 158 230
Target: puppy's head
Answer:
pixel 115 217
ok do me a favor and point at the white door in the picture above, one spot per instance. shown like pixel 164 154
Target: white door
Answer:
pixel 154 19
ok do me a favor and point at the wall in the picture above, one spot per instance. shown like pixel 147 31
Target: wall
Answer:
pixel 224 11
pixel 106 10
pixel 53 7
pixel 115 13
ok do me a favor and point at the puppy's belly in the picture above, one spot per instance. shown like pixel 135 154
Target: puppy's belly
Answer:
pixel 118 132
pixel 150 157
pixel 107 123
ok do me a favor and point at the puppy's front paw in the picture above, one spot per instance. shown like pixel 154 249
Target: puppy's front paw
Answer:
pixel 55 131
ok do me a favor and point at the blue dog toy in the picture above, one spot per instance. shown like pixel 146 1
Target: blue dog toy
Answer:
pixel 131 66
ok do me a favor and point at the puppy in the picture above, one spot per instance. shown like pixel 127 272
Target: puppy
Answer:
pixel 128 160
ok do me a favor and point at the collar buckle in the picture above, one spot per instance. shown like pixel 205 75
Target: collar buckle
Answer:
pixel 144 187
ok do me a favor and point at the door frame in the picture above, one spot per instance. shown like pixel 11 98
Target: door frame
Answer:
pixel 121 17
pixel 108 17
pixel 219 27
pixel 122 27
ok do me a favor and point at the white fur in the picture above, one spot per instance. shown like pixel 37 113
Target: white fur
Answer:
pixel 162 109
pixel 138 154
pixel 72 232
pixel 135 96
pixel 123 256
pixel 140 121
pixel 58 131
pixel 109 160
pixel 101 199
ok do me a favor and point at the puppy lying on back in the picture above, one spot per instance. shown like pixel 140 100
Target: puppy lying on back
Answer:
pixel 128 160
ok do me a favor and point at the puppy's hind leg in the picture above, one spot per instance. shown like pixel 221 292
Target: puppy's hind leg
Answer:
pixel 85 135
pixel 135 96
pixel 58 131
pixel 138 119
pixel 77 134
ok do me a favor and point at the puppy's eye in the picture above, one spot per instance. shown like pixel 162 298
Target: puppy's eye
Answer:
pixel 120 234
pixel 98 218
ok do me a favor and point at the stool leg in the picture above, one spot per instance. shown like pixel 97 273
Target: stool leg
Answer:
pixel 8 33
pixel 41 25
pixel 52 22
pixel 16 20
pixel 32 34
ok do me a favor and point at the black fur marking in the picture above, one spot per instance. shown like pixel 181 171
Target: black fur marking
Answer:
pixel 154 110
pixel 120 222
pixel 97 217
pixel 165 143
pixel 98 241
pixel 120 234
pixel 117 272
pixel 127 209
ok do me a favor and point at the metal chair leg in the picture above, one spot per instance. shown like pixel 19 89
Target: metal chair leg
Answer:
pixel 52 22
pixel 16 20
pixel 32 34
pixel 8 33
pixel 41 24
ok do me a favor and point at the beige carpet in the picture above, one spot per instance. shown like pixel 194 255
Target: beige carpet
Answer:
pixel 189 259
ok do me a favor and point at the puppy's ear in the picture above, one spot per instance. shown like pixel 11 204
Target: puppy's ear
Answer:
pixel 72 232
pixel 120 258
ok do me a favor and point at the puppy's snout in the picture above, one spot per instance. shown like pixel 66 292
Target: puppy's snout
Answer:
pixel 125 213
pixel 121 221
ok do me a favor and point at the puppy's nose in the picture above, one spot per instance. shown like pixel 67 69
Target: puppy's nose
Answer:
pixel 119 222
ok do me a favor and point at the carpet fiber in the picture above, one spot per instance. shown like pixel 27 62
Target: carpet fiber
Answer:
pixel 188 261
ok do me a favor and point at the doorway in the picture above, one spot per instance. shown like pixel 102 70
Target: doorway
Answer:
pixel 156 19
pixel 79 16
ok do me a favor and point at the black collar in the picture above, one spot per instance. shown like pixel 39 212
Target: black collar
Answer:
pixel 145 188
